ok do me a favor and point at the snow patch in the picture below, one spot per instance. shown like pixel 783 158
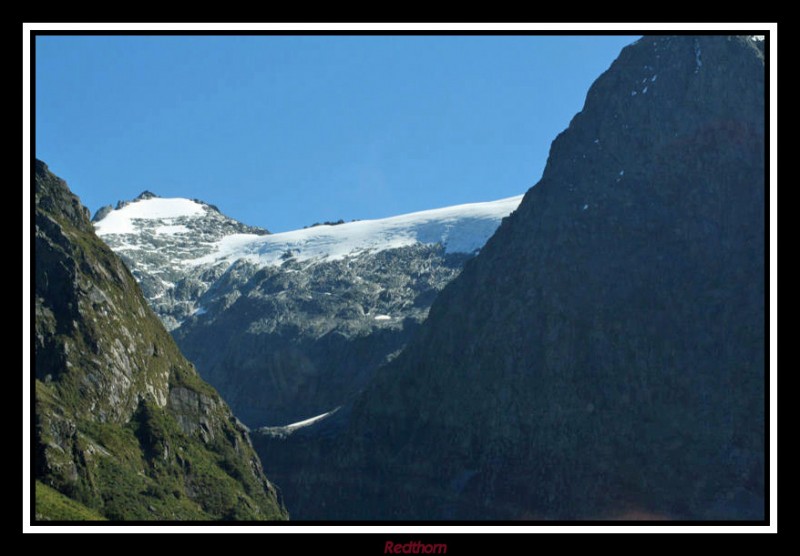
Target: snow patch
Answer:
pixel 124 246
pixel 460 229
pixel 305 423
pixel 121 221
pixel 172 230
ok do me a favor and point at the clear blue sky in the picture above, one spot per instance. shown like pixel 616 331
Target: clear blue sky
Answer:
pixel 284 131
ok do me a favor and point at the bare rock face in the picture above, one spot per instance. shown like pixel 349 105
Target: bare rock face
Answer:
pixel 604 355
pixel 124 426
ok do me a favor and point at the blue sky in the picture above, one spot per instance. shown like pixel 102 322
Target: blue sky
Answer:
pixel 284 131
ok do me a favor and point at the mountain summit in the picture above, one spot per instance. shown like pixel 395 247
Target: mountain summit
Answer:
pixel 161 240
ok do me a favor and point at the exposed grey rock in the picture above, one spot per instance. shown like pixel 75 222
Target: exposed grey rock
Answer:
pixel 300 339
pixel 102 212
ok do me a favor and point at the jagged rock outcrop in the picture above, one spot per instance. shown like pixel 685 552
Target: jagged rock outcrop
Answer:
pixel 603 357
pixel 125 428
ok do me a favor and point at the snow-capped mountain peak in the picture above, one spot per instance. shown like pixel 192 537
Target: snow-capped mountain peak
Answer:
pixel 157 237
pixel 127 219
pixel 179 248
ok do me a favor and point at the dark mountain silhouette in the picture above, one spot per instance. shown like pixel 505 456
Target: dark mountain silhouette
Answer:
pixel 603 357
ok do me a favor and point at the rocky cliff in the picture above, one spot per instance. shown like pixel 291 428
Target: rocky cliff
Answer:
pixel 603 357
pixel 125 428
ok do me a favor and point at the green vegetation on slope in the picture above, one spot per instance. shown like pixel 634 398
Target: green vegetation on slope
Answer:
pixel 51 505
pixel 124 425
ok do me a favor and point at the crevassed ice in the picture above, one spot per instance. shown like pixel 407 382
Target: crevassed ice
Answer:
pixel 461 229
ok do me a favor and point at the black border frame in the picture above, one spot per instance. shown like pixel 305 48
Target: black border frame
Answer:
pixel 376 539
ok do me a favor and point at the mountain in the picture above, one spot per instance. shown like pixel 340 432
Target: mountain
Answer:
pixel 603 357
pixel 160 240
pixel 292 325
pixel 125 428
